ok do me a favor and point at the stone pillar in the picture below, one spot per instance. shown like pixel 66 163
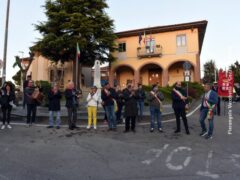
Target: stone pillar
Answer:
pixel 136 78
pixel 165 77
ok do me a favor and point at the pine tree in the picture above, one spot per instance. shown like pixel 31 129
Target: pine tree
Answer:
pixel 76 21
pixel 209 71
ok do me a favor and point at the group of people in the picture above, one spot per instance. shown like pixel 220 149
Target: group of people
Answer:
pixel 117 103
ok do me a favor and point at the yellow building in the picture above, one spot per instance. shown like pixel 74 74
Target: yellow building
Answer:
pixel 159 56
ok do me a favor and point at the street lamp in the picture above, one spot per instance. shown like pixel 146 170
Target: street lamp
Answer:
pixel 5 44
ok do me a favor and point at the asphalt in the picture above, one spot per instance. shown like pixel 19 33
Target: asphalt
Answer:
pixel 38 153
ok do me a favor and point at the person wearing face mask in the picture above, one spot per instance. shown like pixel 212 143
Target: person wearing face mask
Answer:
pixel 179 101
pixel 155 99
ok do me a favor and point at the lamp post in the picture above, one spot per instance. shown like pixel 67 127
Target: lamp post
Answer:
pixel 5 44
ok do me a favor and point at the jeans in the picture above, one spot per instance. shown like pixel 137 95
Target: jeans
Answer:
pixel 155 113
pixel 140 108
pixel 72 117
pixel 111 117
pixel 6 114
pixel 92 114
pixel 203 115
pixel 31 113
pixel 58 119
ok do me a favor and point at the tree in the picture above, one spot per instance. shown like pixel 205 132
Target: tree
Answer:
pixel 209 71
pixel 76 21
pixel 235 67
pixel 17 78
pixel 23 69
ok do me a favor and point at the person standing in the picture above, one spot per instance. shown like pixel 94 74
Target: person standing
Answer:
pixel 120 104
pixel 179 101
pixel 155 103
pixel 108 96
pixel 31 103
pixel 25 85
pixel 54 97
pixel 215 88
pixel 72 97
pixel 141 97
pixel 208 105
pixel 131 109
pixel 92 104
pixel 7 98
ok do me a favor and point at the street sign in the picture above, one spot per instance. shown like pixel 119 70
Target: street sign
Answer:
pixel 187 78
pixel 187 73
pixel 186 65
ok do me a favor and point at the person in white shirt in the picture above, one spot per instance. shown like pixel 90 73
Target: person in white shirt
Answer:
pixel 92 103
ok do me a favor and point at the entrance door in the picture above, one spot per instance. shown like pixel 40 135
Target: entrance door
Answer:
pixel 155 77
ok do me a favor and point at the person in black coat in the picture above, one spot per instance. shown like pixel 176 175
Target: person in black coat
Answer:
pixel 72 96
pixel 131 109
pixel 25 85
pixel 179 101
pixel 7 98
pixel 54 97
pixel 120 104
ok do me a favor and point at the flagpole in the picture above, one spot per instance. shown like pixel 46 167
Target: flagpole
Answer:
pixel 5 44
pixel 76 80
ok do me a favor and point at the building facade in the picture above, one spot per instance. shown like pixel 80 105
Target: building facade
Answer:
pixel 156 55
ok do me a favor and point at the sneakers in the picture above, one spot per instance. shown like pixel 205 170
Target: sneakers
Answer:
pixel 203 133
pixel 49 127
pixel 9 127
pixel 208 137
pixel 151 130
pixel 3 127
pixel 88 127
pixel 160 130
pixel 95 128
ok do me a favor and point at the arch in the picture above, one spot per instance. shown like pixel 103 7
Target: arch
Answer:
pixel 176 72
pixel 151 73
pixel 123 74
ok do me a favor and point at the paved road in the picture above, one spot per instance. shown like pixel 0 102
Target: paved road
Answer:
pixel 37 153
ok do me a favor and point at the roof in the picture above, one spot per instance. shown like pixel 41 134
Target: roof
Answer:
pixel 200 25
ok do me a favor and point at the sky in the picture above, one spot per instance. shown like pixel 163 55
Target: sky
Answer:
pixel 221 41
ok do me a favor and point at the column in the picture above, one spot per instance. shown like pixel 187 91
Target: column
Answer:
pixel 165 77
pixel 111 77
pixel 136 78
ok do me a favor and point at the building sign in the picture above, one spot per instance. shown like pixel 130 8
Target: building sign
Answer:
pixel 225 83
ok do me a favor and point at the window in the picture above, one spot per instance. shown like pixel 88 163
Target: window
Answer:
pixel 181 40
pixel 122 47
pixel 150 45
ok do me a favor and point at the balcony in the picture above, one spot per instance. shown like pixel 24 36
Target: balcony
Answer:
pixel 148 52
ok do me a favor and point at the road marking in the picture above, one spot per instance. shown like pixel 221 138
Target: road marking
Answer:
pixel 157 153
pixel 104 126
pixel 207 173
pixel 178 167
pixel 234 158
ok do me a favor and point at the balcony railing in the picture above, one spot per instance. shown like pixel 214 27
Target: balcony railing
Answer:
pixel 148 52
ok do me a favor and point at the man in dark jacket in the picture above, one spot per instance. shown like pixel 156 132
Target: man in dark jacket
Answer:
pixel 25 85
pixel 72 96
pixel 141 97
pixel 179 101
pixel 155 99
pixel 209 103
pixel 54 97
pixel 131 110
pixel 31 103
pixel 108 96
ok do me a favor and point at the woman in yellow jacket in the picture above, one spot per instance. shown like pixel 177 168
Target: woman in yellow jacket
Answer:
pixel 92 103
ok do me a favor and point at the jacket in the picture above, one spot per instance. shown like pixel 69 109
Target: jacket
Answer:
pixel 141 94
pixel 131 108
pixel 54 101
pixel 92 100
pixel 6 99
pixel 177 102
pixel 28 95
pixel 108 99
pixel 153 102
pixel 71 98
pixel 212 100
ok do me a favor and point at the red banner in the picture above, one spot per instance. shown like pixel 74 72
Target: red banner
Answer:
pixel 225 83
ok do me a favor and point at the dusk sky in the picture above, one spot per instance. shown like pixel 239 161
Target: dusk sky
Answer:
pixel 220 43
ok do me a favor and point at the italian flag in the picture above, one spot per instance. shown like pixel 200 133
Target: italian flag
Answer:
pixel 78 51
